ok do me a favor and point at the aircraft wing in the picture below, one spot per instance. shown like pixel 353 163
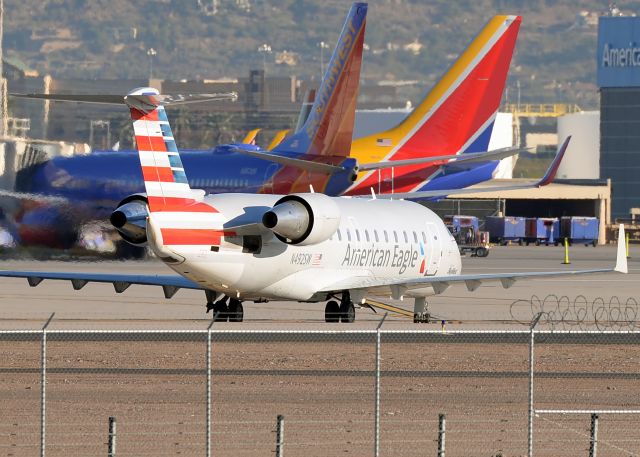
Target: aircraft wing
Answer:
pixel 498 154
pixel 472 282
pixel 169 283
pixel 314 167
pixel 548 178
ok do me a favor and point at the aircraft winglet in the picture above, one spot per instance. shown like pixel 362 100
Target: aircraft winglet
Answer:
pixel 550 175
pixel 621 257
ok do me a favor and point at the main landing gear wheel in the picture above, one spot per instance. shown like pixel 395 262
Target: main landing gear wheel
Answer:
pixel 347 312
pixel 332 311
pixel 235 310
pixel 421 318
pixel 220 310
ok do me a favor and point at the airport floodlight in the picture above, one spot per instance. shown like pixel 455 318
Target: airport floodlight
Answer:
pixel 264 49
pixel 151 53
pixel 323 45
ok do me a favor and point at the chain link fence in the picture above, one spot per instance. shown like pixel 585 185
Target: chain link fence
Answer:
pixel 379 392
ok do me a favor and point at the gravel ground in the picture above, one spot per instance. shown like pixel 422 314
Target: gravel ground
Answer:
pixel 325 390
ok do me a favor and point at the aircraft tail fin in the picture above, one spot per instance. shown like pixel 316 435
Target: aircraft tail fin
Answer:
pixel 162 170
pixel 457 115
pixel 277 139
pixel 250 137
pixel 328 129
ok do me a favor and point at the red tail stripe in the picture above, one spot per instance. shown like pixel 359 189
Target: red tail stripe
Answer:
pixel 140 116
pixel 176 204
pixel 157 174
pixel 151 143
pixel 172 236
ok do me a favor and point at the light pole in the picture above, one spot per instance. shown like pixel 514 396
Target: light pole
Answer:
pixel 264 49
pixel 151 53
pixel 323 46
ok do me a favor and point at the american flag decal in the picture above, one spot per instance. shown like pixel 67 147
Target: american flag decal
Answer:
pixel 316 260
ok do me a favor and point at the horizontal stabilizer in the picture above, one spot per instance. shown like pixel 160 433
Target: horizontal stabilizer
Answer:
pixel 498 154
pixel 307 165
pixel 164 100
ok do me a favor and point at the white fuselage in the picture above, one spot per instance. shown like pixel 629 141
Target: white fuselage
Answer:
pixel 377 240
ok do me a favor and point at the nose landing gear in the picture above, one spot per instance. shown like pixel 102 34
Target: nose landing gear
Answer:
pixel 421 311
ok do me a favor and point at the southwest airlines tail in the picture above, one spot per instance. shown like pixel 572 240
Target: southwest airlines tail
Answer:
pixel 456 116
pixel 329 128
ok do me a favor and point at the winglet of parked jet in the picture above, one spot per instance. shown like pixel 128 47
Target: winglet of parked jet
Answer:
pixel 550 175
pixel 621 257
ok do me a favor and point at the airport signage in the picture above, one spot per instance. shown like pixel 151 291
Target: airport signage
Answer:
pixel 618 52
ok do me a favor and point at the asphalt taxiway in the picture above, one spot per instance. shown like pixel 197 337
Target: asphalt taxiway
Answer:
pixel 22 306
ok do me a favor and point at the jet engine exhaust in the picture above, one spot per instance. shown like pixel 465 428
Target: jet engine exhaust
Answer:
pixel 303 219
pixel 288 219
pixel 130 219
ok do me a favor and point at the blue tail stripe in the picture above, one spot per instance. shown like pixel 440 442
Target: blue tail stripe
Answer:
pixel 481 143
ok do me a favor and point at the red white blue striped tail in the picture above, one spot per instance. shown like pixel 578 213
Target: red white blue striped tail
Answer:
pixel 176 209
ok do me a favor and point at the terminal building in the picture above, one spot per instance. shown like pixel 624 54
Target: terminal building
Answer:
pixel 619 81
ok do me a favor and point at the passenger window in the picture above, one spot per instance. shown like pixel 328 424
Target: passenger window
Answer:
pixel 415 237
pixel 406 238
pixel 386 237
pixel 375 234
pixel 395 236
pixel 251 244
pixel 348 235
pixel 366 235
pixel 339 235
pixel 358 235
pixel 424 237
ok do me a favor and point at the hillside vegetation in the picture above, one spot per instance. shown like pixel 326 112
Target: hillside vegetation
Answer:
pixel 207 39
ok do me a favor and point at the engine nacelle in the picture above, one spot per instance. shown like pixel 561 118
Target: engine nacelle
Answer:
pixel 130 219
pixel 303 219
